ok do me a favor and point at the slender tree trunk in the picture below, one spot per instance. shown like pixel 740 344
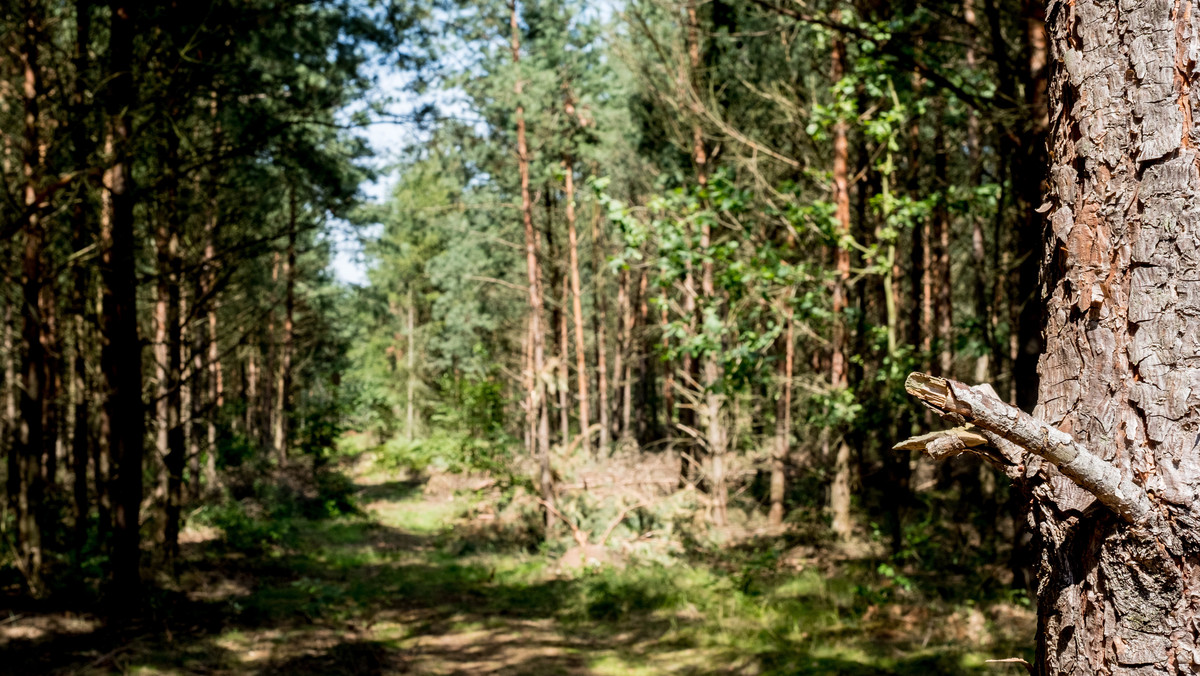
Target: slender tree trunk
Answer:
pixel 538 391
pixel 410 426
pixel 783 422
pixel 624 361
pixel 83 232
pixel 170 354
pixel 839 495
pixel 581 367
pixel 121 353
pixel 30 433
pixel 564 376
pixel 283 391
pixel 215 399
pixel 668 390
pixel 600 328
pixel 713 413
pixel 943 306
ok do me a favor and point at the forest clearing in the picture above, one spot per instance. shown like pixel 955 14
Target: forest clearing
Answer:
pixel 629 337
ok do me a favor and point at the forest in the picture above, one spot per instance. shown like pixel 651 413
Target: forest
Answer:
pixel 652 337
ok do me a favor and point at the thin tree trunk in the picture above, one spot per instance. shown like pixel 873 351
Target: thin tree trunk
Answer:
pixel 600 328
pixel 564 376
pixel 538 391
pixel 624 363
pixel 943 306
pixel 29 438
pixel 170 403
pixel 581 367
pixel 411 414
pixel 839 495
pixel 283 391
pixel 121 354
pixel 783 422
pixel 83 232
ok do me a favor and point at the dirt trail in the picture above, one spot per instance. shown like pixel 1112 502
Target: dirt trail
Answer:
pixel 403 588
pixel 367 595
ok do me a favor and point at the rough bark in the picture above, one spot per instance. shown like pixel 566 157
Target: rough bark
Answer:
pixel 1111 465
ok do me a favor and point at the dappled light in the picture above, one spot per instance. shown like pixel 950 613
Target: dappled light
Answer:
pixel 634 337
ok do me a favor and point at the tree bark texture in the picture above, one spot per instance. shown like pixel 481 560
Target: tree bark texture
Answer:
pixel 1120 371
pixel 1109 454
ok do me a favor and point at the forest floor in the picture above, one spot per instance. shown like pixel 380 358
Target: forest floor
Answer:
pixel 396 589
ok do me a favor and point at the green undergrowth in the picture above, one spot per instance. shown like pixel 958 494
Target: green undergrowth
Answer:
pixel 402 564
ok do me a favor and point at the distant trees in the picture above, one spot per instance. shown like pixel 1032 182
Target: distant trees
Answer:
pixel 780 204
pixel 146 150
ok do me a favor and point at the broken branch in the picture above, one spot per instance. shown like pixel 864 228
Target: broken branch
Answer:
pixel 977 406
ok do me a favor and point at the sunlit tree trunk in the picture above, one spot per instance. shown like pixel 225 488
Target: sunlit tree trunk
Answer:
pixel 581 366
pixel 538 390
pixel 943 311
pixel 600 329
pixel 839 493
pixel 283 384
pixel 783 421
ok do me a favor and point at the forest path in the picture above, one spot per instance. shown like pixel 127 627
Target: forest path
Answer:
pixel 409 586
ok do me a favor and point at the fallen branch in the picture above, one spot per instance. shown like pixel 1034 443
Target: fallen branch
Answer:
pixel 979 407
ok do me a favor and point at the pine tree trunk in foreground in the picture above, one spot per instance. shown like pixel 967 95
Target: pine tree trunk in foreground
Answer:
pixel 1119 370
pixel 1109 455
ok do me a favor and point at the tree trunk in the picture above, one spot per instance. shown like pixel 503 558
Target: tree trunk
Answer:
pixel 1108 457
pixel 410 420
pixel 537 395
pixel 283 383
pixel 121 352
pixel 563 370
pixel 170 355
pixel 83 232
pixel 625 359
pixel 943 305
pixel 783 422
pixel 581 368
pixel 839 494
pixel 1121 337
pixel 600 328
pixel 28 449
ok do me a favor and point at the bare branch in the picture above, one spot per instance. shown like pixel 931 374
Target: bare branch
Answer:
pixel 976 405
